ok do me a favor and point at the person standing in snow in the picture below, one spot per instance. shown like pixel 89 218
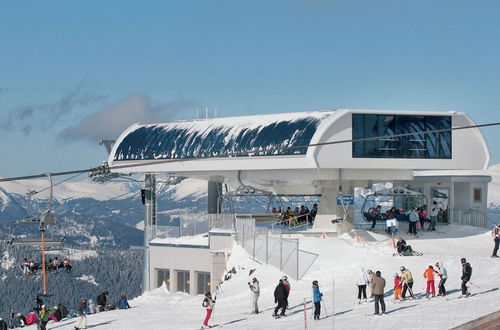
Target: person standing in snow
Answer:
pixel 82 320
pixel 433 213
pixel 208 303
pixel 429 275
pixel 362 282
pixel 412 220
pixel 466 275
pixel 496 238
pixel 287 289
pixel 317 295
pixel 280 299
pixel 407 281
pixel 371 275
pixel 397 287
pixel 378 286
pixel 441 271
pixel 254 287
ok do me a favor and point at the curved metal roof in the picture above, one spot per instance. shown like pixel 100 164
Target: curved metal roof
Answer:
pixel 219 137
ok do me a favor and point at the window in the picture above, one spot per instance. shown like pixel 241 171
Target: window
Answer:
pixel 183 281
pixel 163 276
pixel 477 195
pixel 414 145
pixel 203 282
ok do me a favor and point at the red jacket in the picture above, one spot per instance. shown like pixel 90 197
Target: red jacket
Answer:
pixel 397 282
pixel 429 274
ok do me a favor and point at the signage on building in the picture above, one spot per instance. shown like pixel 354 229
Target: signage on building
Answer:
pixel 347 200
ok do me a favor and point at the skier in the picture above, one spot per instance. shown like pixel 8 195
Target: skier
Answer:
pixel 496 238
pixel 466 274
pixel 443 275
pixel 287 289
pixel 407 282
pixel 362 282
pixel 429 275
pixel 378 286
pixel 255 289
pixel 397 287
pixel 43 316
pixel 371 275
pixel 208 303
pixel 102 302
pixel 317 295
pixel 82 320
pixel 280 299
pixel 123 302
pixel 17 321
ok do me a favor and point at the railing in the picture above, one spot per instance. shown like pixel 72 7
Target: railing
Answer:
pixel 470 217
pixel 269 248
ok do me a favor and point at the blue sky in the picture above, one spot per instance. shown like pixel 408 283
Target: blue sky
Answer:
pixel 73 72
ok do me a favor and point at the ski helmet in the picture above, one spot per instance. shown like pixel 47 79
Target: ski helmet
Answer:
pixel 396 275
pixel 402 268
pixel 463 260
pixel 284 278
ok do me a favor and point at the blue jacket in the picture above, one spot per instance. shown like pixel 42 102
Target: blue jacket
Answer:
pixel 123 303
pixel 316 294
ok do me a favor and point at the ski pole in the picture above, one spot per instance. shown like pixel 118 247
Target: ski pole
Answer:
pixel 324 307
pixel 475 285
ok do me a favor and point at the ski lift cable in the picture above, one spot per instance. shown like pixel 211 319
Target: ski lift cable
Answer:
pixel 250 152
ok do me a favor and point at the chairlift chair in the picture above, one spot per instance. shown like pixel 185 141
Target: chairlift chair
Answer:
pixel 387 198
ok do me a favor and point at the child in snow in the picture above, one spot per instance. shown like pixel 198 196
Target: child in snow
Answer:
pixel 317 295
pixel 255 289
pixel 43 317
pixel 429 275
pixel 397 287
pixel 123 302
pixel 280 299
pixel 208 303
pixel 407 280
pixel 466 275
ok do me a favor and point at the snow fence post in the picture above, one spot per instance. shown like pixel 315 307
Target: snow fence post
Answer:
pixel 267 247
pixel 333 302
pixel 254 234
pixel 281 250
pixel 305 314
pixel 297 248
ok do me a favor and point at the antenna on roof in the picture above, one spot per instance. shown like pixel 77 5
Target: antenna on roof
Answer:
pixel 207 111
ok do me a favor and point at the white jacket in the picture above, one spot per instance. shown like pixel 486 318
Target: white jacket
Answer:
pixel 442 271
pixel 362 277
pixel 255 287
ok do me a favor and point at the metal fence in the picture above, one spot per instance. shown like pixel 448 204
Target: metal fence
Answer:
pixel 271 248
pixel 470 217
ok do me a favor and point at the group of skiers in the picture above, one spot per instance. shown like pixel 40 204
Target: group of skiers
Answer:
pixel 41 314
pixel 403 283
pixel 29 267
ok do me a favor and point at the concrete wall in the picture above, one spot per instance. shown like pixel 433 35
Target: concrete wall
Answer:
pixel 192 258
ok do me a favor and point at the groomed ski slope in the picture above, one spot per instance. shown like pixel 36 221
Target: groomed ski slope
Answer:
pixel 340 258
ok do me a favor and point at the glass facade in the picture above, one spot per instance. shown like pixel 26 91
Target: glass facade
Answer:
pixel 416 145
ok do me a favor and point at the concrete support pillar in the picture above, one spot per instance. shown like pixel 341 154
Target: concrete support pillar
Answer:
pixel 217 270
pixel 173 281
pixel 149 199
pixel 193 283
pixel 329 210
pixel 214 197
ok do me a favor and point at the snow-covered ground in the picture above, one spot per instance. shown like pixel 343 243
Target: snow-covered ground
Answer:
pixel 339 259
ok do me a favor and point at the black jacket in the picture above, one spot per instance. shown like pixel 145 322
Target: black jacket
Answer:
pixel 101 299
pixel 279 292
pixel 3 325
pixel 466 271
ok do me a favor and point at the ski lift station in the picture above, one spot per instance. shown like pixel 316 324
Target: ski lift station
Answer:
pixel 420 157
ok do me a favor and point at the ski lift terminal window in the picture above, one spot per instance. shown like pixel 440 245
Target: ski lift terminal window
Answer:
pixel 417 145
